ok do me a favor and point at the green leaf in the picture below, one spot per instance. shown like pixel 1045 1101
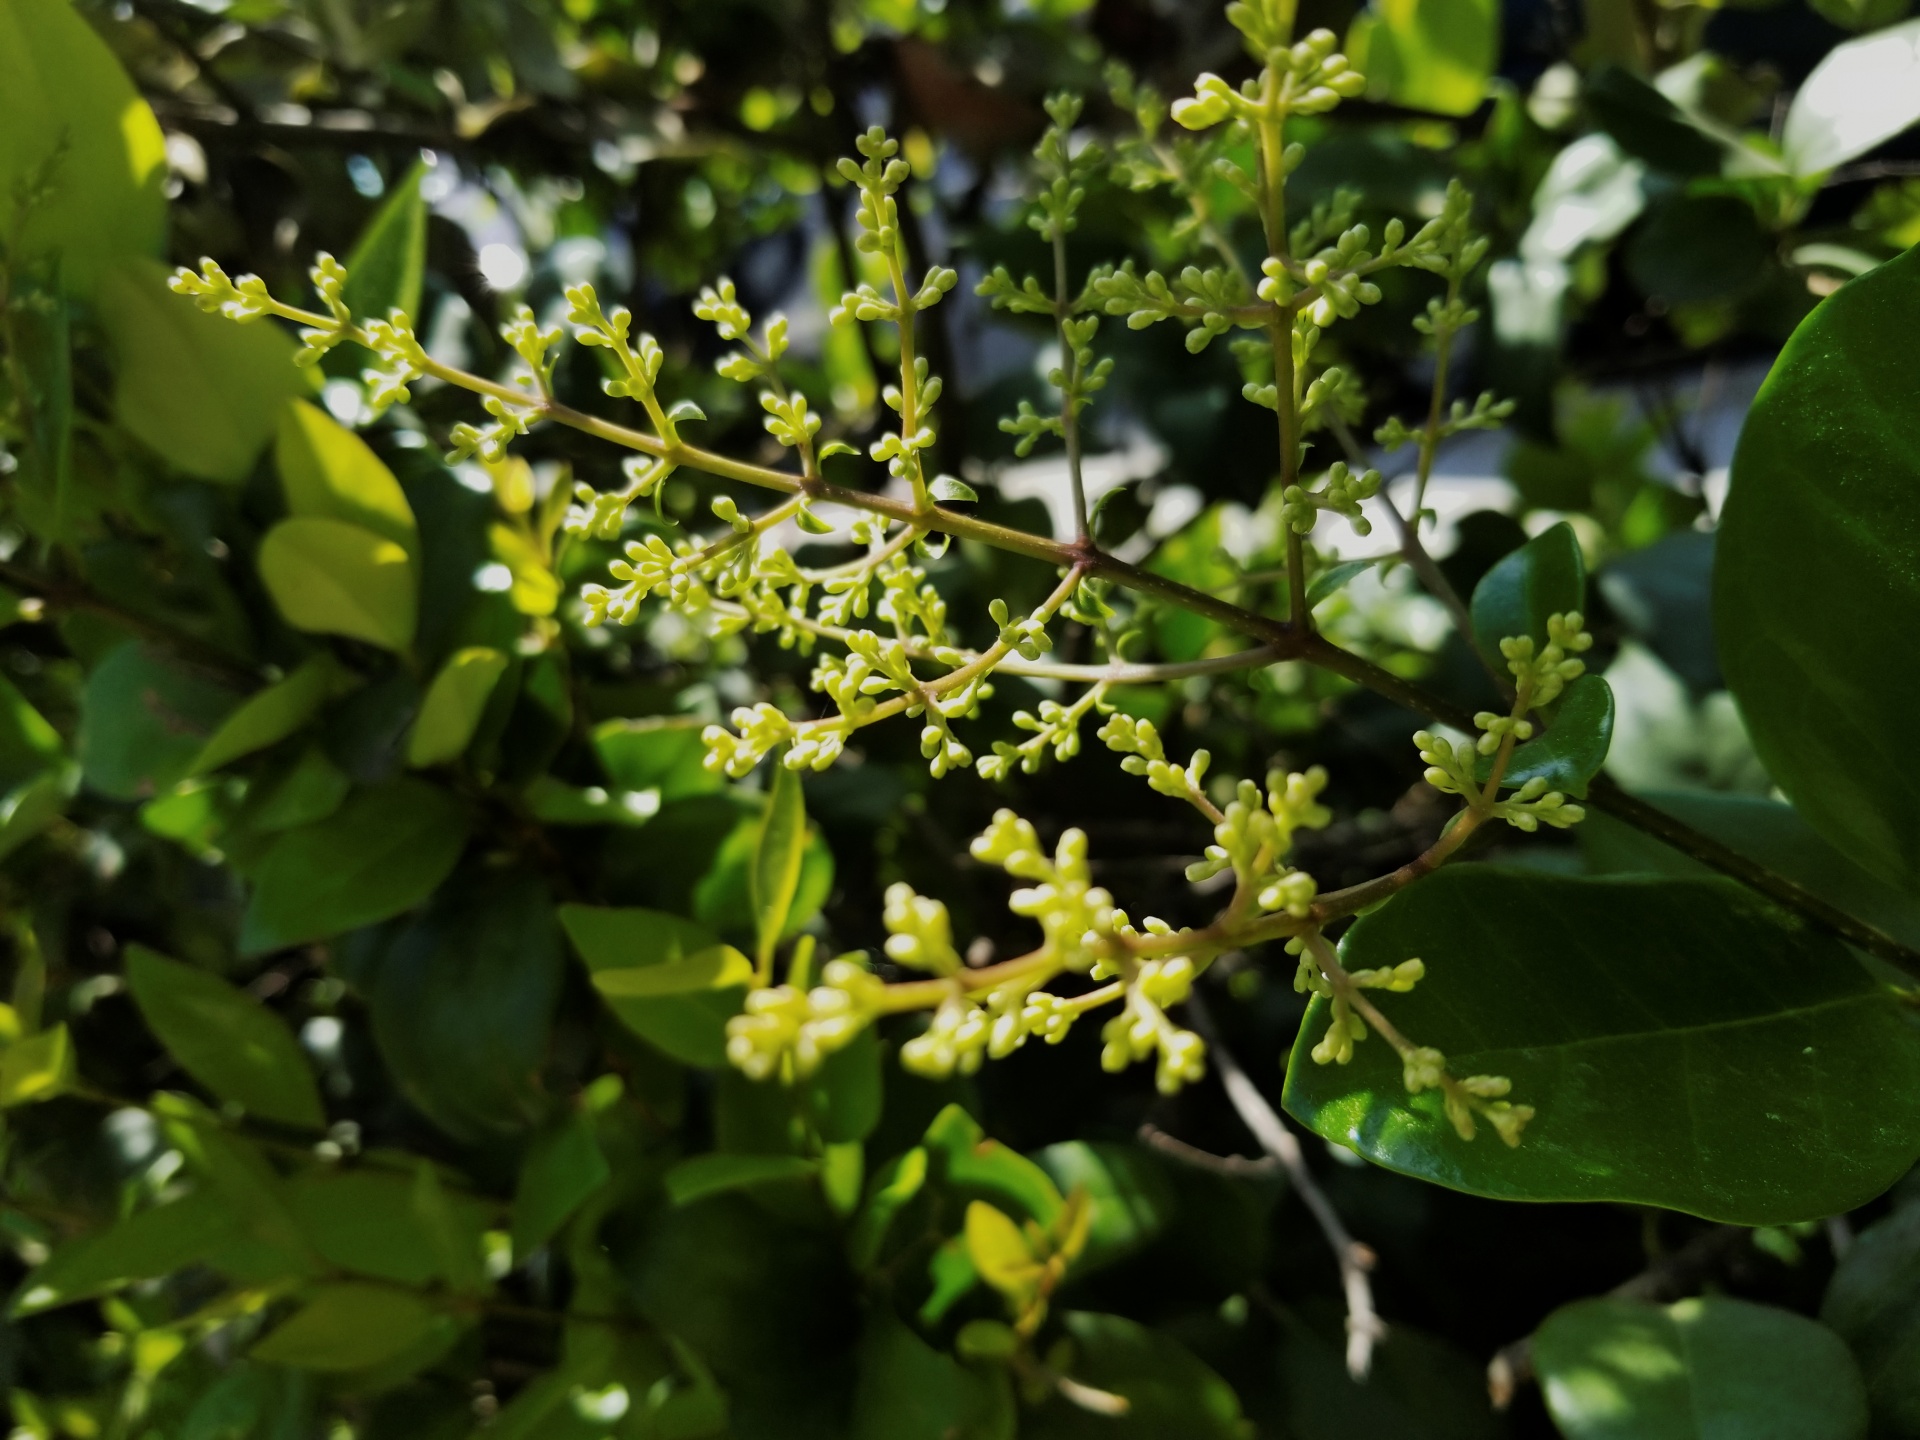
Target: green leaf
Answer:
pixel 463 1001
pixel 999 1251
pixel 1428 54
pixel 563 1169
pixel 270 715
pixel 366 1222
pixel 1132 1202
pixel 40 336
pixel 1763 830
pixel 197 388
pixel 1590 193
pixel 1873 1303
pixel 455 702
pixel 659 753
pixel 31 807
pixel 970 1162
pixel 1815 571
pixel 1861 93
pixel 777 855
pixel 947 488
pixel 907 1390
pixel 702 1175
pixel 1622 1370
pixel 1335 578
pixel 1546 576
pixel 225 1039
pixel 1695 249
pixel 37 1067
pixel 330 473
pixel 723 898
pixel 382 852
pixel 74 117
pixel 1647 125
pixel 892 1187
pixel 715 968
pixel 1170 1395
pixel 1684 1044
pixel 846 1093
pixel 350 1326
pixel 35 778
pixel 388 263
pixel 552 802
pixel 144 718
pixel 456 1247
pixel 337 579
pixel 692 1027
pixel 144 1246
pixel 1574 746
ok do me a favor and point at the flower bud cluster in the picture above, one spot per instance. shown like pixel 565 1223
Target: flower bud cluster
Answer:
pixel 1424 1068
pixel 1255 834
pixel 534 346
pixel 1077 917
pixel 1140 742
pixel 784 1022
pixel 919 933
pixel 1343 492
pixel 1057 727
pixel 1142 1028
pixel 1543 676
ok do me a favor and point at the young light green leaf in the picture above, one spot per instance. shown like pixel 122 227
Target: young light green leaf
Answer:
pixel 703 1175
pixel 388 263
pixel 1574 746
pixel 1873 1303
pixel 75 119
pixel 270 715
pixel 946 488
pixel 715 968
pixel 338 579
pixel 225 1039
pixel 38 1067
pixel 382 852
pixel 1816 650
pixel 454 704
pixel 144 718
pixel 1546 576
pixel 659 752
pixel 1334 579
pixel 692 1026
pixel 1433 55
pixel 1861 93
pixel 198 389
pixel 350 1326
pixel 892 1188
pixel 966 1159
pixel 1683 1044
pixel 330 473
pixel 1624 1370
pixel 999 1251
pixel 775 876
pixel 563 1169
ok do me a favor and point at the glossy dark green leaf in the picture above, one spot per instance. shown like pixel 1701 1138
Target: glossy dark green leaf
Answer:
pixel 1623 1370
pixel 349 1326
pixel 1546 576
pixel 144 1246
pixel 1574 746
pixel 1816 651
pixel 1170 1395
pixel 143 720
pixel 907 1390
pixel 198 389
pixel 1683 1043
pixel 1873 1303
pixel 463 1002
pixel 778 852
pixel 1761 829
pixel 1647 125
pixel 1419 1387
pixel 382 852
pixel 225 1039
pixel 563 1168
pixel 1132 1202
pixel 388 262
pixel 702 1175
pixel 75 120
pixel 270 715
pixel 332 578
pixel 330 473
pixel 690 1027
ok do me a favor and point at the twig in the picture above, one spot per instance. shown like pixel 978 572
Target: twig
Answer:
pixel 1364 1326
pixel 1678 1273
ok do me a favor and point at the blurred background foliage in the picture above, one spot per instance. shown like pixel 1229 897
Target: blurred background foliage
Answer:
pixel 494 1137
